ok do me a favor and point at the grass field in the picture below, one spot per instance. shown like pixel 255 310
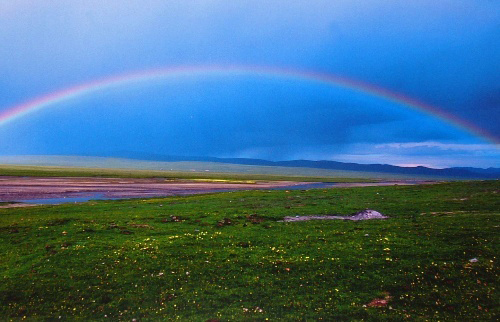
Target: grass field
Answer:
pixel 88 166
pixel 238 177
pixel 227 257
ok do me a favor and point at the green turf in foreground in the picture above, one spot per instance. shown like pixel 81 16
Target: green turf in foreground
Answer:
pixel 177 258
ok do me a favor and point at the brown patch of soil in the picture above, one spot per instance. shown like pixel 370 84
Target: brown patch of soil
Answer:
pixel 380 302
pixel 17 205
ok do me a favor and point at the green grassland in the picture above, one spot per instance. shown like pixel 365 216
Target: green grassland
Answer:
pixel 202 176
pixel 228 257
pixel 100 166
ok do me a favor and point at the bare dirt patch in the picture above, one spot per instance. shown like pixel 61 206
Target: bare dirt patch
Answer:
pixel 17 205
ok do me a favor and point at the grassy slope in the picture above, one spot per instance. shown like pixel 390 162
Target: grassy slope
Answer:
pixel 132 259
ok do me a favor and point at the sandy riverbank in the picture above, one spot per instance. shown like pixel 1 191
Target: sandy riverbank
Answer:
pixel 29 188
pixel 24 188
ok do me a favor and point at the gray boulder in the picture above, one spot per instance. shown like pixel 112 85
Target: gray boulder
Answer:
pixel 366 215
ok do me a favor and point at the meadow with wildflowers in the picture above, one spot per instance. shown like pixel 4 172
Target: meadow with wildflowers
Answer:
pixel 227 256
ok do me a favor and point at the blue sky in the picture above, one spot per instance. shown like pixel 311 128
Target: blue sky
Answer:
pixel 441 53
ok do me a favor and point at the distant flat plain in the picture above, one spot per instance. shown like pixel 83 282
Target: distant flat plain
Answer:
pixel 84 178
pixel 101 166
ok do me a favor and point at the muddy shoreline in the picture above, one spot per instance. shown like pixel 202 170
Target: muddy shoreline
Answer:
pixel 25 188
pixel 17 189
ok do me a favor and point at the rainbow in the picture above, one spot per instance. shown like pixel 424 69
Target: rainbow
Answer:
pixel 46 101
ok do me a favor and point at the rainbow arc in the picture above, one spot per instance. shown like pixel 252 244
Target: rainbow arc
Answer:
pixel 16 112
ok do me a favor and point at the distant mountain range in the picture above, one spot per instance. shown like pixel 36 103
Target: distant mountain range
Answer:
pixel 458 172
